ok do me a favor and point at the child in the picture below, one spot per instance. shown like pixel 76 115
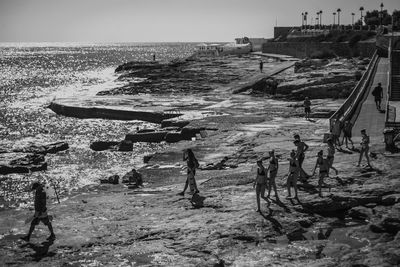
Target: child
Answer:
pixel 364 148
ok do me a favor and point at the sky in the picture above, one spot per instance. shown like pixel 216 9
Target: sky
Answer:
pixel 163 20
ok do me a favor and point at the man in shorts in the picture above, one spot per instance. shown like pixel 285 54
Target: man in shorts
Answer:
pixel 40 212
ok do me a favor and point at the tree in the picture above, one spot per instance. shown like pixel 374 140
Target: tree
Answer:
pixel 373 18
pixel 396 18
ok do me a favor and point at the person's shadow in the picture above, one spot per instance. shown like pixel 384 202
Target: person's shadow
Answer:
pixel 197 201
pixel 275 224
pixel 41 250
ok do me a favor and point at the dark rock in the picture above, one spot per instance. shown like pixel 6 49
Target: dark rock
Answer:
pixel 146 131
pixel 153 137
pixel 114 179
pixel 125 145
pixel 174 123
pixel 133 177
pixel 103 145
pixel 391 199
pixel 147 158
pixel 173 137
pixel 44 149
pixel 360 213
pixel 14 163
pixel 138 65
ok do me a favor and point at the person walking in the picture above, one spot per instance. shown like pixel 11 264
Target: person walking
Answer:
pixel 260 183
pixel 40 212
pixel 294 169
pixel 347 127
pixel 331 155
pixel 273 171
pixel 378 95
pixel 364 148
pixel 307 108
pixel 336 132
pixel 192 165
pixel 261 65
pixel 323 166
pixel 300 155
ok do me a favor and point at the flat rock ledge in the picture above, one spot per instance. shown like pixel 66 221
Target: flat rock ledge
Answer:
pixel 108 113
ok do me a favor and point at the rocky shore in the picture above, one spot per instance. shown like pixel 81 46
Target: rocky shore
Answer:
pixel 355 223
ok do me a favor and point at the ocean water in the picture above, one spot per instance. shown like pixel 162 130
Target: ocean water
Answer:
pixel 33 74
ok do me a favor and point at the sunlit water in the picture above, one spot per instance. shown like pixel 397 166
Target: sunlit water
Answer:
pixel 31 75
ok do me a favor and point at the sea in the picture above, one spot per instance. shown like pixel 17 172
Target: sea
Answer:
pixel 32 75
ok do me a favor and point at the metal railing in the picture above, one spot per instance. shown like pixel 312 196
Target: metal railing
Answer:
pixel 389 90
pixel 350 106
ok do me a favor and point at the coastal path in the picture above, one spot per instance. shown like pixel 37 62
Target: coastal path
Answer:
pixel 369 117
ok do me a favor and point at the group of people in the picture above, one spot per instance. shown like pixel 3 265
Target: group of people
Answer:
pixel 265 179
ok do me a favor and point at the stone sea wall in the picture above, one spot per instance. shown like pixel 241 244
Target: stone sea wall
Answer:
pixel 306 49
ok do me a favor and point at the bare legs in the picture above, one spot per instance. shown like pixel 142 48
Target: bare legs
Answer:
pixel 271 184
pixel 362 152
pixel 260 191
pixel 292 181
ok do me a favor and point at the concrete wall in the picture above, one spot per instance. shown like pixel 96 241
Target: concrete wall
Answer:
pixel 306 49
pixel 282 31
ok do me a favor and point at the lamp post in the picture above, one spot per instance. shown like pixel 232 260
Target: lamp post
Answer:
pixel 361 18
pixel 305 17
pixel 338 16
pixel 302 20
pixel 381 14
pixel 317 20
pixel 352 20
pixel 320 18
pixel 334 19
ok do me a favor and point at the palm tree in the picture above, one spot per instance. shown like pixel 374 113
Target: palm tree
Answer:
pixel 338 16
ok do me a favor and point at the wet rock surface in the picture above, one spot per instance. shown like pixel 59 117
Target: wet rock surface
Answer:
pixel 317 78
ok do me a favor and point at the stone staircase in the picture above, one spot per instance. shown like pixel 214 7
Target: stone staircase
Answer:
pixel 395 92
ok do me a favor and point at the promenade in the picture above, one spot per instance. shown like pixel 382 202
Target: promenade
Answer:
pixel 370 118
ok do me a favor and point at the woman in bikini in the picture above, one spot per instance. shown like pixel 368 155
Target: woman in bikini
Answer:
pixel 273 171
pixel 364 148
pixel 294 169
pixel 192 164
pixel 323 166
pixel 260 183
